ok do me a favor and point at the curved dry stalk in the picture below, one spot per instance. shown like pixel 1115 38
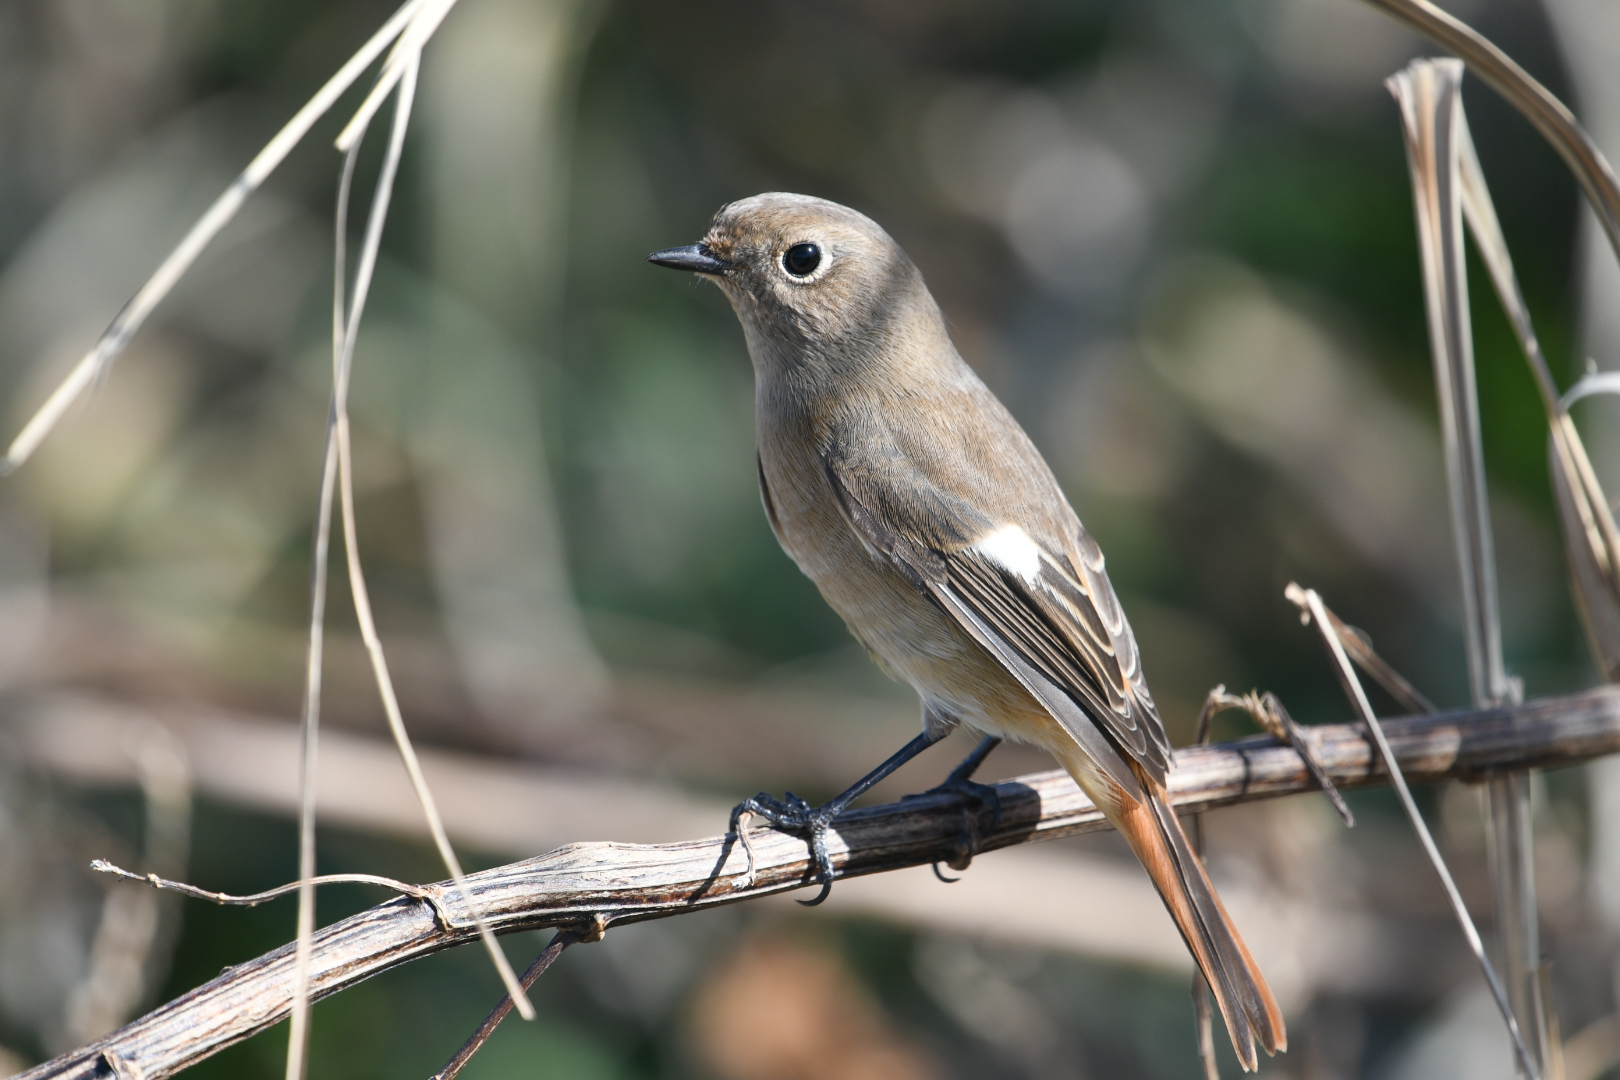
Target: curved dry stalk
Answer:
pixel 1591 538
pixel 1549 116
pixel 406 53
pixel 1479 210
pixel 1592 543
pixel 102 866
pixel 583 885
pixel 1430 97
pixel 1216 701
pixel 1586 520
pixel 1272 717
pixel 309 725
pixel 134 313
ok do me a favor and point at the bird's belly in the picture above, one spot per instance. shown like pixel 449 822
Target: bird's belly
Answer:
pixel 905 630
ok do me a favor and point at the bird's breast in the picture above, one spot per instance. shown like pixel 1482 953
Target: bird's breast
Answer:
pixel 858 582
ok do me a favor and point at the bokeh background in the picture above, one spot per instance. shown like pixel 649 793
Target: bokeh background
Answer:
pixel 1174 235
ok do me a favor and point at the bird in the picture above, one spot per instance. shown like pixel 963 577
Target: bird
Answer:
pixel 925 515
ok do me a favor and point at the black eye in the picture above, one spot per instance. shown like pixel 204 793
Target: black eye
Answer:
pixel 801 260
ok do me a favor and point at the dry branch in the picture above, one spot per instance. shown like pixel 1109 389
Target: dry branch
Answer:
pixel 597 885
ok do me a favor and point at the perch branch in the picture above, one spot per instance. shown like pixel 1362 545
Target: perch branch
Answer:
pixel 593 885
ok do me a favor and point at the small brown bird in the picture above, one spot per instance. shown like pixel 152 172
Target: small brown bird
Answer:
pixel 911 497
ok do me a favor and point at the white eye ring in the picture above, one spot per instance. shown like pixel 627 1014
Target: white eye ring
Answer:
pixel 804 261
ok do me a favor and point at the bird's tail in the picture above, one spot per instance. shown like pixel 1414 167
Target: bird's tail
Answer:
pixel 1155 835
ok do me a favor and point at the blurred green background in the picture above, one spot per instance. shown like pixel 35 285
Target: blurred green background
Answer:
pixel 1175 237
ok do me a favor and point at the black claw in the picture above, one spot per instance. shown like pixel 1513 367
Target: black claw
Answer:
pixel 826 891
pixel 941 874
pixel 818 850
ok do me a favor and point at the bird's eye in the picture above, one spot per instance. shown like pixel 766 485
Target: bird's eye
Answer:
pixel 801 260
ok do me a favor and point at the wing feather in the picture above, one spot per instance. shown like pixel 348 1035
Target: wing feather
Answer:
pixel 1055 698
pixel 1061 633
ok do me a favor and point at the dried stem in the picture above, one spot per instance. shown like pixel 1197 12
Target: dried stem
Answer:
pixel 1591 537
pixel 310 721
pixel 1430 96
pixel 343 362
pixel 475 1042
pixel 1273 718
pixel 1268 712
pixel 1203 1014
pixel 407 52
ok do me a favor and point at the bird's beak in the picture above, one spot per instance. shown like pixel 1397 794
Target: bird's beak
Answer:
pixel 693 257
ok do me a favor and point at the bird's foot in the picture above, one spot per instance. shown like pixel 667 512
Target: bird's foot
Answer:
pixel 980 797
pixel 791 814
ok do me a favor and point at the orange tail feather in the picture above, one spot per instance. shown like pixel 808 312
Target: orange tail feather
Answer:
pixel 1246 1002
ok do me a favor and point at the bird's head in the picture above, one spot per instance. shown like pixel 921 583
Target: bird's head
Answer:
pixel 818 287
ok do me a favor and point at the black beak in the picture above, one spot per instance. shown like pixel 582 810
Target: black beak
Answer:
pixel 693 257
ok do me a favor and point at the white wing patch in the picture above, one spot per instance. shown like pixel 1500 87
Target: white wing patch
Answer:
pixel 1012 549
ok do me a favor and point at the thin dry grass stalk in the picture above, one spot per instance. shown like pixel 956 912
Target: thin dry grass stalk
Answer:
pixel 351 543
pixel 1429 93
pixel 136 929
pixel 1591 540
pixel 406 54
pixel 418 892
pixel 133 315
pixel 1203 1011
pixel 603 884
pixel 538 967
pixel 1268 712
pixel 1312 603
pixel 346 325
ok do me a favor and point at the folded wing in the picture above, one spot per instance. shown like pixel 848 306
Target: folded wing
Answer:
pixel 1041 606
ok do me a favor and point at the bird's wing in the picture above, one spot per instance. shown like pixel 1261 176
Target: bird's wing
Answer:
pixel 1050 617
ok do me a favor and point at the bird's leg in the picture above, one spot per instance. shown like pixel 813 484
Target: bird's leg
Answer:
pixel 961 782
pixel 793 814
